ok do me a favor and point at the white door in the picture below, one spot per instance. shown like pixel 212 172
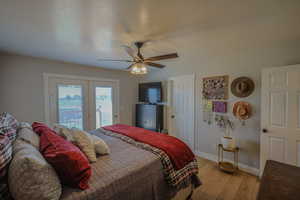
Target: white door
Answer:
pixel 68 102
pixel 80 102
pixel 104 101
pixel 280 123
pixel 182 106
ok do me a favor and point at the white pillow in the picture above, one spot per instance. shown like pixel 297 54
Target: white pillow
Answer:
pixel 100 146
pixel 64 132
pixel 30 176
pixel 26 134
pixel 85 144
pixel 24 125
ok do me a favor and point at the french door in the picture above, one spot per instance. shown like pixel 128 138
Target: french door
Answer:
pixel 104 103
pixel 81 103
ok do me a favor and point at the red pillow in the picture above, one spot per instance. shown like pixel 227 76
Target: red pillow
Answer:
pixel 70 163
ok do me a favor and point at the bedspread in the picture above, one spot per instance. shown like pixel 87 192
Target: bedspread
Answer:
pixel 129 172
pixel 177 178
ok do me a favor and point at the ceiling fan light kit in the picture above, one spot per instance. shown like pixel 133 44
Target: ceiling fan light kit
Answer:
pixel 138 69
pixel 139 63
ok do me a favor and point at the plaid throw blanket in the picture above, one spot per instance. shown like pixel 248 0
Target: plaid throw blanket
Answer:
pixel 177 178
pixel 178 152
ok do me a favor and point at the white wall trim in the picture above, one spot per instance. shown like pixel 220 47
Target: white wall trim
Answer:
pixel 88 78
pixel 242 167
pixel 46 77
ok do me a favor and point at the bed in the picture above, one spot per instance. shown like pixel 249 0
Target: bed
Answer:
pixel 119 176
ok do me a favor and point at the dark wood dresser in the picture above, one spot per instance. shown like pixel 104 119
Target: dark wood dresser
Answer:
pixel 279 182
pixel 149 116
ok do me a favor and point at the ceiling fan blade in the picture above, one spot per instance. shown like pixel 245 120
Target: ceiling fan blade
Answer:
pixel 130 51
pixel 154 64
pixel 162 57
pixel 115 60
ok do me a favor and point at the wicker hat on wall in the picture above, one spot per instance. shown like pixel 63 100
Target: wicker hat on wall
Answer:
pixel 242 110
pixel 242 87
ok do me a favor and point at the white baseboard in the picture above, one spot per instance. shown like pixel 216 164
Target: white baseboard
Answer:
pixel 242 167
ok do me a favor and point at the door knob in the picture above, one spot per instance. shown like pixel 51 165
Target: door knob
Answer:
pixel 172 116
pixel 265 130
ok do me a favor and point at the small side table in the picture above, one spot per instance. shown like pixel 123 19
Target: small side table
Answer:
pixel 228 166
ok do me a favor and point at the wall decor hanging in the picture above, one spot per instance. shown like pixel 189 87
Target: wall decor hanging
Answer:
pixel 215 87
pixel 224 123
pixel 242 87
pixel 220 106
pixel 207 111
pixel 242 110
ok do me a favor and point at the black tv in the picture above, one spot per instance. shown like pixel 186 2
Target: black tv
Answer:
pixel 150 92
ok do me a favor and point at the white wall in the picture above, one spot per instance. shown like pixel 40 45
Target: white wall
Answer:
pixel 21 85
pixel 207 136
pixel 235 50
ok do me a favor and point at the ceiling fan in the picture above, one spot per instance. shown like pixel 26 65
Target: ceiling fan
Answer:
pixel 138 61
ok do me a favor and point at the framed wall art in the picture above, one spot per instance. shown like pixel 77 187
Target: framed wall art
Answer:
pixel 215 87
pixel 220 106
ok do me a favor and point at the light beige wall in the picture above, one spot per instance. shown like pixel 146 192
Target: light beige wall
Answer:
pixel 234 50
pixel 207 136
pixel 21 85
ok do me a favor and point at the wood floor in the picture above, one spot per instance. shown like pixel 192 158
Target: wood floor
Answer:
pixel 223 186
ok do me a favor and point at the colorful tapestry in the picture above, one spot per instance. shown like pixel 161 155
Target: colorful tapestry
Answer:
pixel 215 87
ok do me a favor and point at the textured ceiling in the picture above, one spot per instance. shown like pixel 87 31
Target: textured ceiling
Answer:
pixel 81 31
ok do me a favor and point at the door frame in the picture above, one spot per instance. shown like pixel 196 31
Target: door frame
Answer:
pixel 170 104
pixel 47 76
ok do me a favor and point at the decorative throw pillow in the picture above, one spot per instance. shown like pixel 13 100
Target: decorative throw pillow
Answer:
pixel 7 119
pixel 100 146
pixel 26 134
pixel 8 126
pixel 83 141
pixel 64 132
pixel 70 163
pixel 5 154
pixel 4 192
pixel 5 157
pixel 24 125
pixel 30 176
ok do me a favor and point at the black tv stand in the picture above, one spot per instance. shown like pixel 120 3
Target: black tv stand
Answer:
pixel 150 116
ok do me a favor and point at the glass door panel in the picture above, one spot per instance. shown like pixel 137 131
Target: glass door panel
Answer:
pixel 80 103
pixel 68 102
pixel 70 106
pixel 104 106
pixel 104 103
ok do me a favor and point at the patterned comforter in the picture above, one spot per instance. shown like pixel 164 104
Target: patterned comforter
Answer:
pixel 177 178
pixel 133 171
